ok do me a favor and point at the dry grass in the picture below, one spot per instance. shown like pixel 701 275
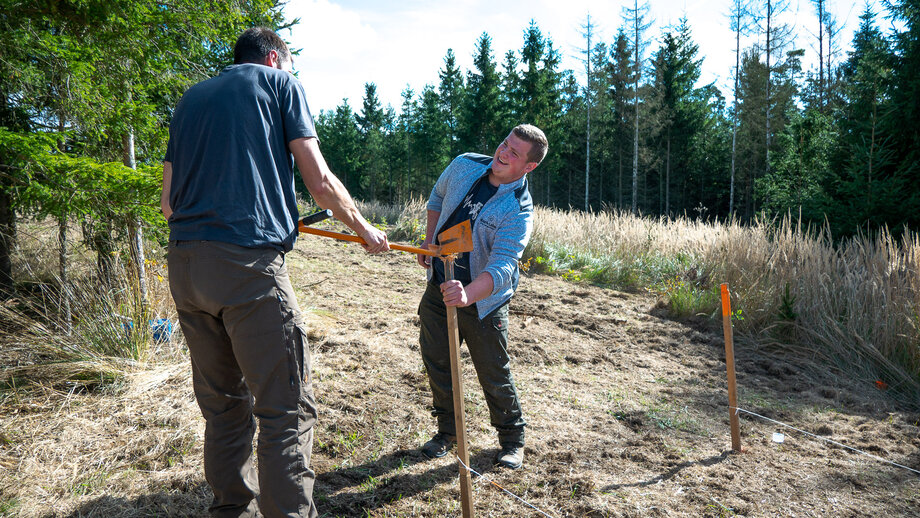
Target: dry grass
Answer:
pixel 139 436
pixel 106 334
pixel 408 221
pixel 854 306
pixel 625 410
pixel 94 405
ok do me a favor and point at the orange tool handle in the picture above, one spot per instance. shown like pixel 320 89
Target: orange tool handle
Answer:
pixel 355 239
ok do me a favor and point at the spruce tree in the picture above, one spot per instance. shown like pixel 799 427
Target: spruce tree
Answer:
pixel 370 123
pixel 483 116
pixel 451 93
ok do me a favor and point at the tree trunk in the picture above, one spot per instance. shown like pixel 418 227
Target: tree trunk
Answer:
pixel 731 189
pixel 100 235
pixel 136 235
pixel 7 242
pixel 667 177
pixel 635 178
pixel 821 53
pixel 406 189
pixel 869 208
pixel 390 184
pixel 619 174
pixel 568 187
pixel 600 185
pixel 66 315
pixel 767 154
pixel 588 157
pixel 588 129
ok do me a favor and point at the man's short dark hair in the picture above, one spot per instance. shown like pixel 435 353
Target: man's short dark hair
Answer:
pixel 538 143
pixel 254 45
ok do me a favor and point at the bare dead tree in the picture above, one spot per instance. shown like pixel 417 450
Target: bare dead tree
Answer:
pixel 635 19
pixel 740 21
pixel 777 36
pixel 587 30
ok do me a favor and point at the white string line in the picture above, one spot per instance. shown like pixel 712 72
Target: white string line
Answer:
pixel 525 502
pixel 876 457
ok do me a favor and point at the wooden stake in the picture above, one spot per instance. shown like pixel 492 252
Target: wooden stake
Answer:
pixel 730 366
pixel 453 332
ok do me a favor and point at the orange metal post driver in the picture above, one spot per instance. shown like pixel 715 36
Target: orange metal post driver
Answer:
pixel 456 239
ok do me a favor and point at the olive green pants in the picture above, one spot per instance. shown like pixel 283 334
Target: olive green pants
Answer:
pixel 250 361
pixel 487 342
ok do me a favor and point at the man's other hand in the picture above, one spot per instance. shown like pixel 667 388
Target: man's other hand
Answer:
pixel 375 241
pixel 424 260
pixel 455 294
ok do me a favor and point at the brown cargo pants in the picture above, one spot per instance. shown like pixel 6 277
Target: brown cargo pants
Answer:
pixel 487 342
pixel 250 360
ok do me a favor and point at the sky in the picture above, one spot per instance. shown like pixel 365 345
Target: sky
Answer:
pixel 347 43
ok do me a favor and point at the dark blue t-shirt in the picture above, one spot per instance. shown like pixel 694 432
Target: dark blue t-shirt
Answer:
pixel 478 195
pixel 232 171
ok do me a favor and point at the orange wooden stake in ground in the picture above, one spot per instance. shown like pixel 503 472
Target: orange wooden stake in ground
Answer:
pixel 730 366
pixel 456 377
pixel 456 240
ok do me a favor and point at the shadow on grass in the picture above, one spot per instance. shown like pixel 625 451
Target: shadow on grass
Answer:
pixel 357 490
pixel 351 491
pixel 190 501
pixel 669 474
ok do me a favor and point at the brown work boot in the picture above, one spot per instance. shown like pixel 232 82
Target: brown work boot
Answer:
pixel 439 445
pixel 511 456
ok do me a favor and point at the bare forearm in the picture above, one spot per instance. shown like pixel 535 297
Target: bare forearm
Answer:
pixel 456 294
pixel 325 187
pixel 331 194
pixel 480 288
pixel 431 225
pixel 164 194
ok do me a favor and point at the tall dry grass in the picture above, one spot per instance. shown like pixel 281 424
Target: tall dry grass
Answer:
pixel 81 332
pixel 853 307
pixel 408 220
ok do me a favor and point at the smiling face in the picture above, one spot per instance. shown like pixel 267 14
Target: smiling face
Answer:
pixel 511 160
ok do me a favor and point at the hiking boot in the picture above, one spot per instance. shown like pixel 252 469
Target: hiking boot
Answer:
pixel 439 445
pixel 511 456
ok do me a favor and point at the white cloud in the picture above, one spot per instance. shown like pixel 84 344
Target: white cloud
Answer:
pixel 330 37
pixel 326 28
pixel 347 43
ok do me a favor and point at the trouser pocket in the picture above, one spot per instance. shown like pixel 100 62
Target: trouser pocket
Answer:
pixel 300 357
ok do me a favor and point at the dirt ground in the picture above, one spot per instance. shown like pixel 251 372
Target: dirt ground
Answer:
pixel 626 408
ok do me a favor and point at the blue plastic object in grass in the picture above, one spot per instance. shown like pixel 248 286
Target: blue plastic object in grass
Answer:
pixel 161 329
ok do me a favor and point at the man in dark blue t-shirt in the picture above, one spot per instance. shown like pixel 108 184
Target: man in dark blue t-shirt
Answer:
pixel 228 194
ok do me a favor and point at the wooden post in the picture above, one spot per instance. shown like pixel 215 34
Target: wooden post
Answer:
pixel 466 487
pixel 730 366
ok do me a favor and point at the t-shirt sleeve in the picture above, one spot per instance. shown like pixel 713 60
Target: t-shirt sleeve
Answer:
pixel 298 121
pixel 168 157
